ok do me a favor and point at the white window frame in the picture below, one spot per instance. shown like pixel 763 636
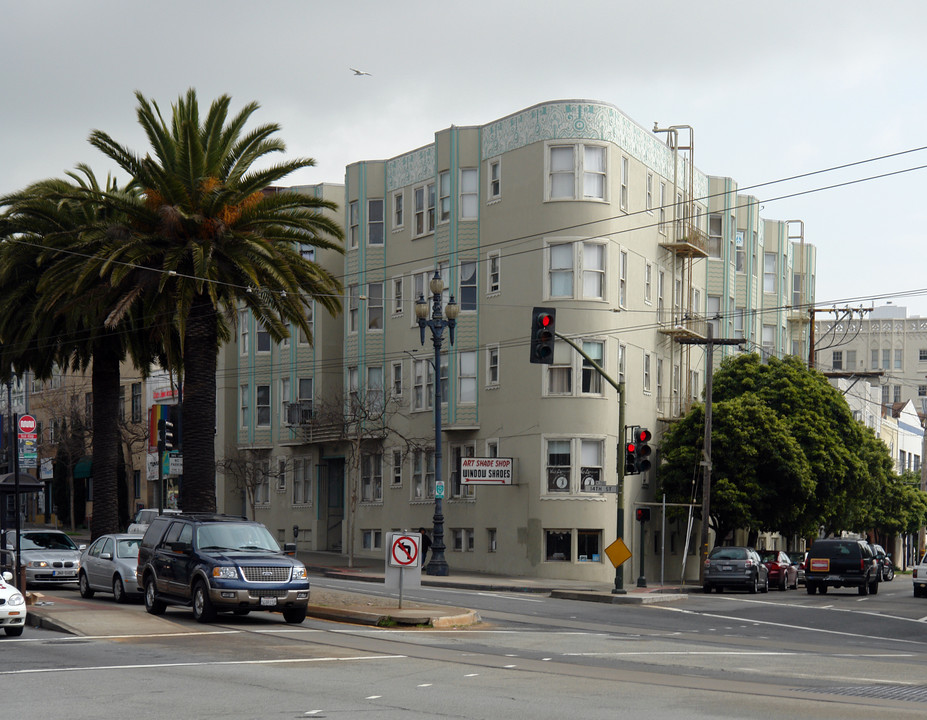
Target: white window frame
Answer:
pixel 375 309
pixel 372 477
pixel 467 375
pixel 625 180
pixel 397 286
pixel 262 405
pixel 493 273
pixel 469 194
pixel 374 224
pixel 576 270
pixel 244 405
pixel 494 180
pixel 492 365
pixel 396 379
pixel 648 195
pixel 353 224
pixel 646 378
pixel 577 175
pixel 467 294
pixel 353 308
pixel 243 319
pixel 648 283
pixel 397 209
pixel 623 278
pixel 444 197
pixel 423 389
pixel 424 215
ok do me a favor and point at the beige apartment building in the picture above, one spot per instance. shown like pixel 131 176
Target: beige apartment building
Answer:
pixel 569 205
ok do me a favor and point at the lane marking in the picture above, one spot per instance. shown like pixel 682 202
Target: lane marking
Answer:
pixel 208 663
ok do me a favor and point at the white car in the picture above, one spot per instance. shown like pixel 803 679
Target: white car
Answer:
pixel 920 578
pixel 143 519
pixel 12 607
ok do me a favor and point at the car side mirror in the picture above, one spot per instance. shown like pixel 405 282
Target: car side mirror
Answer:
pixel 81 547
pixel 106 556
pixel 179 547
pixel 289 548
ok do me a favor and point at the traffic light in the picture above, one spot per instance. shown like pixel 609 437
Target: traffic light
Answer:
pixel 630 467
pixel 169 430
pixel 643 514
pixel 542 335
pixel 642 437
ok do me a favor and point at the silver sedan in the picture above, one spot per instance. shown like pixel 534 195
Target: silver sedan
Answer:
pixel 50 556
pixel 109 565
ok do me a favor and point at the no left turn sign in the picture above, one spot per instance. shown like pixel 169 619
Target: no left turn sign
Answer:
pixel 404 551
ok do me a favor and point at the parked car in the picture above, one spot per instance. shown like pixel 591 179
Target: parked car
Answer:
pixel 12 607
pixel 50 556
pixel 143 519
pixel 800 567
pixel 919 576
pixel 109 565
pixel 219 563
pixel 842 562
pixel 782 573
pixel 735 567
pixel 886 566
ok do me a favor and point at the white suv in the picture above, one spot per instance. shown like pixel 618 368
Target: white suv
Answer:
pixel 920 578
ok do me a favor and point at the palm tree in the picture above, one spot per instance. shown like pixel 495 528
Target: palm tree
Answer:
pixel 215 240
pixel 54 315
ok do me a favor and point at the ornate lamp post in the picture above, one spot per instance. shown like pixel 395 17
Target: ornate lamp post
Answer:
pixel 438 321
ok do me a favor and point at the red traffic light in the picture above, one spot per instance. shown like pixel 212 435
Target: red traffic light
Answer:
pixel 644 435
pixel 544 320
pixel 632 447
pixel 642 514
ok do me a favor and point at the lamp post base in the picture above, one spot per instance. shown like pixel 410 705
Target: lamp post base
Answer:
pixel 437 567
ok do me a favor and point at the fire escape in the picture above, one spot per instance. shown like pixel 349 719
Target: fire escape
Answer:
pixel 686 242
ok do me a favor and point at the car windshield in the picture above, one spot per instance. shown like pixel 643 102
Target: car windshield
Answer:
pixel 128 548
pixel 728 554
pixel 235 536
pixel 768 556
pixel 47 541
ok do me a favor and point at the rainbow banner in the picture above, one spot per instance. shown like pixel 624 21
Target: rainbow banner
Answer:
pixel 156 413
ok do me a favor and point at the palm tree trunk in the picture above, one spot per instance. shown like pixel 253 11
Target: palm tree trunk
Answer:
pixel 200 350
pixel 105 386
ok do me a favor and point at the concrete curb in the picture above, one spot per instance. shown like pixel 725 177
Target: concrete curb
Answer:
pixel 385 617
pixel 625 599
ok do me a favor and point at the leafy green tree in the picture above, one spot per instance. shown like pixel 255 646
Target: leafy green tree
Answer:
pixel 787 454
pixel 214 239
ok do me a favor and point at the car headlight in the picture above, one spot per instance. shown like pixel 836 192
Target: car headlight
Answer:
pixel 39 564
pixel 225 573
pixel 299 573
pixel 15 599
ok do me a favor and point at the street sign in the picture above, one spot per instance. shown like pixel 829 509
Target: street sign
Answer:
pixel 603 488
pixel 439 489
pixel 486 471
pixel 404 551
pixel 618 552
pixel 27 424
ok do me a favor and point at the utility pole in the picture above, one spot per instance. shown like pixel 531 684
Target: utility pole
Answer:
pixel 812 311
pixel 709 342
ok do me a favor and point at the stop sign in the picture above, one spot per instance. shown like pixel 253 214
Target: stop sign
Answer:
pixel 27 424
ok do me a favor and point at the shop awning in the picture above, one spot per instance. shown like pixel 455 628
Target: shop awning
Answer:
pixel 84 467
pixel 27 483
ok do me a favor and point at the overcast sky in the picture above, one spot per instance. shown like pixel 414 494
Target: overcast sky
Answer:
pixel 772 90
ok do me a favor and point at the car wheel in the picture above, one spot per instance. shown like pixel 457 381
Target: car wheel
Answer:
pixel 119 590
pixel 203 610
pixel 809 588
pixel 764 588
pixel 294 615
pixel 783 583
pixel 823 589
pixel 83 585
pixel 152 604
pixel 14 630
pixel 754 585
pixel 874 587
pixel 719 589
pixel 889 574
pixel 706 588
pixel 918 590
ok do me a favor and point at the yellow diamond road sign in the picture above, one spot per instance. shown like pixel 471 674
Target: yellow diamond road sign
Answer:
pixel 618 552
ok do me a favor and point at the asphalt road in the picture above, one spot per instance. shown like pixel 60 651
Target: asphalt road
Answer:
pixel 731 655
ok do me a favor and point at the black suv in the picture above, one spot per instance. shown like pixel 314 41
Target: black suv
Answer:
pixel 216 563
pixel 840 562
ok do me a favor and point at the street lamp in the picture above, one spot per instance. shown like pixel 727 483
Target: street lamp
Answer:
pixel 438 321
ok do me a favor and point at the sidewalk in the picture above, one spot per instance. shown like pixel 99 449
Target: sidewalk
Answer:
pixel 64 610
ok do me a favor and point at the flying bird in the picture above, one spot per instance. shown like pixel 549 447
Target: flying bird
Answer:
pixel 359 72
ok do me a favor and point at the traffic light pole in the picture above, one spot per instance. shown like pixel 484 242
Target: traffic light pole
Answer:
pixel 619 496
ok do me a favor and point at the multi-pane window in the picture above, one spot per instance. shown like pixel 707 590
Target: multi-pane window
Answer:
pixel 715 235
pixel 623 279
pixel 577 171
pixel 424 200
pixel 397 379
pixel 648 193
pixel 467 297
pixel 260 480
pixel 769 272
pixel 559 466
pixel 285 400
pixel 622 360
pixel 375 221
pixel 560 372
pixel 310 314
pixel 922 355
pixel 305 390
pixel 353 224
pixel 244 405
pixel 353 307
pixel 875 359
pixel 648 283
pixel 493 273
pixel 397 467
pixel 592 380
pixel 593 270
pixel 263 341
pixel 397 295
pixel 444 196
pixel 851 359
pixel 590 471
pixel 646 372
pixel 398 210
pixel 375 399
pixel 561 270
pixel 423 390
pixel 467 373
pixel 243 332
pixel 495 179
pixel 625 172
pixel 262 405
pixel 375 306
pixel 899 360
pixel 492 365
pixel 589 545
pixel 462 539
pixel 136 402
pixel 558 545
pixel 837 360
pixel 458 489
pixel 661 223
pixel 740 253
pixel 371 477
pixel 372 539
pixel 769 339
pixel 353 383
pixel 886 358
pixel 469 194
pixel 423 474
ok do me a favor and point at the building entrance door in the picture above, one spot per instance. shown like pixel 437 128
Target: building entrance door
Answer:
pixel 332 504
